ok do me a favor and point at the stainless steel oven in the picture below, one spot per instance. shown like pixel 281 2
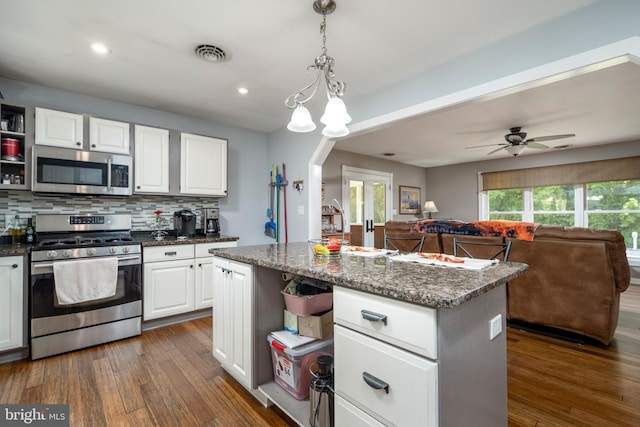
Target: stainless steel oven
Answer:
pixel 83 240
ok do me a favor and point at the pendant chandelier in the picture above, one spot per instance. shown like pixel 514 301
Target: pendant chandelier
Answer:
pixel 335 117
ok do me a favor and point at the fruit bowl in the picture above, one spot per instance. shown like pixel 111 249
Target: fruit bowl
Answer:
pixel 324 248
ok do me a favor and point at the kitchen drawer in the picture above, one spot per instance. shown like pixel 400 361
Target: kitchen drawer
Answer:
pixel 348 415
pixel 412 394
pixel 409 326
pixel 202 249
pixel 166 253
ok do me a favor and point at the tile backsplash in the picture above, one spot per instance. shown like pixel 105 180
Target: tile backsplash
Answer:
pixel 26 204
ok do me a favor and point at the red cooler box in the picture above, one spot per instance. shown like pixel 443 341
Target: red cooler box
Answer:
pixel 291 365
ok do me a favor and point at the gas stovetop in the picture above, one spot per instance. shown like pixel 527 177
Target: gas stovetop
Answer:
pixel 61 236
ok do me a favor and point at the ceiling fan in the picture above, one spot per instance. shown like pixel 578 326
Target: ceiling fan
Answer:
pixel 517 141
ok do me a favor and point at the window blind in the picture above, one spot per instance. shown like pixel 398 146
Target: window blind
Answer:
pixel 574 173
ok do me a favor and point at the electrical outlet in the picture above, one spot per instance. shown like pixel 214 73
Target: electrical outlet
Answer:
pixel 495 326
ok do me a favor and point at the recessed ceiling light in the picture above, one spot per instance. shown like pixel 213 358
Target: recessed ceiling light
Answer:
pixel 243 90
pixel 100 48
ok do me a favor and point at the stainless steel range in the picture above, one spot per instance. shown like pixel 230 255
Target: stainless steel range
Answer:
pixel 85 281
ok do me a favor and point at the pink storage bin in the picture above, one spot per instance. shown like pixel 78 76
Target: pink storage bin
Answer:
pixel 308 304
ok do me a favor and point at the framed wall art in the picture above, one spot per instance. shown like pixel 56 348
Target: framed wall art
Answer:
pixel 409 202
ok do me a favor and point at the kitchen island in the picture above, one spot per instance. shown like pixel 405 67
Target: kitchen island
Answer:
pixel 442 337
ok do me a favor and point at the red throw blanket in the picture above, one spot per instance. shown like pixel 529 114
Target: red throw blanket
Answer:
pixel 515 229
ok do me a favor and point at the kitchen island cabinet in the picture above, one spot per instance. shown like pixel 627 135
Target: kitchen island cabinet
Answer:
pixel 446 325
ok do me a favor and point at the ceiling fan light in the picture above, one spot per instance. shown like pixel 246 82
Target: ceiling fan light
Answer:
pixel 514 150
pixel 301 120
pixel 335 112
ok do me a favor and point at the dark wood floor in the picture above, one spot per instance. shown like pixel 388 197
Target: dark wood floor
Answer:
pixel 168 377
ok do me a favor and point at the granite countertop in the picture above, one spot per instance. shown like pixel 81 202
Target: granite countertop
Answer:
pixel 7 249
pixel 147 240
pixel 11 250
pixel 432 286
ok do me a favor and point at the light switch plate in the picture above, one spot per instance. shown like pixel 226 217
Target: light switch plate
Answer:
pixel 495 326
pixel 300 209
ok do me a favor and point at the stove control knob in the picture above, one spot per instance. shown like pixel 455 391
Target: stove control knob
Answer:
pixel 126 249
pixel 91 251
pixel 67 253
pixel 52 254
pixel 113 250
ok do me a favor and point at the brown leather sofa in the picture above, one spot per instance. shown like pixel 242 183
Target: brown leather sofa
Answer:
pixel 574 280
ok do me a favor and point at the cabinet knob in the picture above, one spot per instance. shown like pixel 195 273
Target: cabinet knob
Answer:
pixel 191 266
pixel 199 265
pixel 93 145
pixel 14 266
pixel 138 187
pixel 78 143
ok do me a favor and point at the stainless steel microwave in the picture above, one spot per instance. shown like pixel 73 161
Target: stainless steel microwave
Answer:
pixel 64 170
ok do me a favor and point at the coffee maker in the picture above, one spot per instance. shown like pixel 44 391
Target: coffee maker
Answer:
pixel 184 223
pixel 211 222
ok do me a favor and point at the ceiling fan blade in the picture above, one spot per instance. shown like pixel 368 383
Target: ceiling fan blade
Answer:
pixel 550 137
pixel 486 145
pixel 535 145
pixel 497 149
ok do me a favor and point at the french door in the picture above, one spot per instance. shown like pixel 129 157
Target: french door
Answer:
pixel 366 198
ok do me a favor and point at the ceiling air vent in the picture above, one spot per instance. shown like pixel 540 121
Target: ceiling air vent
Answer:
pixel 211 53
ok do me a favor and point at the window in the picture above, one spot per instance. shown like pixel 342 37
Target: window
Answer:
pixel 604 205
pixel 615 205
pixel 506 204
pixel 554 204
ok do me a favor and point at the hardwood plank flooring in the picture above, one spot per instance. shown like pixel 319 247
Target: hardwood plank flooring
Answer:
pixel 168 377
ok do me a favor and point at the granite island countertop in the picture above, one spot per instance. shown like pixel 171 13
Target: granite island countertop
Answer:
pixel 427 285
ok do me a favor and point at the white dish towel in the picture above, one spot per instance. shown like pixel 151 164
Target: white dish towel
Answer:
pixel 85 280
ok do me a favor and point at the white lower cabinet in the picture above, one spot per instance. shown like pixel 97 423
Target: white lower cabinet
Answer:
pixel 204 272
pixel 377 379
pixel 233 318
pixel 168 281
pixel 177 278
pixel 391 384
pixel 11 302
pixel 348 415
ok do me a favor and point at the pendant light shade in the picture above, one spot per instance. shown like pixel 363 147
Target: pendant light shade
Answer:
pixel 335 115
pixel 335 112
pixel 301 120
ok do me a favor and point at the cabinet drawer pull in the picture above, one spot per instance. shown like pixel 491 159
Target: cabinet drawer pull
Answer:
pixel 374 382
pixel 375 317
pixel 172 253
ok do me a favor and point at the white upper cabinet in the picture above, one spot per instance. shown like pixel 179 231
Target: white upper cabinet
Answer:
pixel 203 165
pixel 108 136
pixel 58 128
pixel 151 158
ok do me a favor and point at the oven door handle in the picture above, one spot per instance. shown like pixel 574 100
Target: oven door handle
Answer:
pixel 50 264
